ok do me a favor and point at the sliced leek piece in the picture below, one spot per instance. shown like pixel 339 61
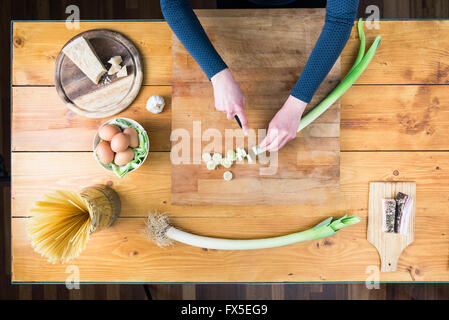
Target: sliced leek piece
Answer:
pixel 206 157
pixel 256 150
pixel 226 163
pixel 252 154
pixel 217 157
pixel 242 152
pixel 227 176
pixel 211 165
pixel 230 155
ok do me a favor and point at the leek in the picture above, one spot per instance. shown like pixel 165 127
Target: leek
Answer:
pixel 362 44
pixel 159 230
pixel 354 73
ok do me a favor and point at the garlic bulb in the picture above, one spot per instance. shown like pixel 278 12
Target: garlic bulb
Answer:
pixel 155 104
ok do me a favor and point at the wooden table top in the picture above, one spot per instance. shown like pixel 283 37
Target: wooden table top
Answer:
pixel 393 128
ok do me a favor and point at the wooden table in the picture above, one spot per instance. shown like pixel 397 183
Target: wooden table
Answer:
pixel 394 127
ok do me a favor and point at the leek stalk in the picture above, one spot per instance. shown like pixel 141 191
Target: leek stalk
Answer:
pixel 354 73
pixel 362 44
pixel 159 230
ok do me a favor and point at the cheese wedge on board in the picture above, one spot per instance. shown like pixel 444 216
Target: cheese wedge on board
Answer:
pixel 115 61
pixel 114 69
pixel 84 57
pixel 123 72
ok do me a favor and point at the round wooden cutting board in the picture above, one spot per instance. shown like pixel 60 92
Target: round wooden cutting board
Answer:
pixel 112 94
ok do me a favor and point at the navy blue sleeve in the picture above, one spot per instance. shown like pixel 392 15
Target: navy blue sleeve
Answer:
pixel 184 23
pixel 340 15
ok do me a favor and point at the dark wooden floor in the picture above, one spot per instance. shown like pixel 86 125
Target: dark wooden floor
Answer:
pixel 146 9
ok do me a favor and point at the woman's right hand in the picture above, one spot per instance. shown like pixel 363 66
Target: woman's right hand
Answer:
pixel 229 97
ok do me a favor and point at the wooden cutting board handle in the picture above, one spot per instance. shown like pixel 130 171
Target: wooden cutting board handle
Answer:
pixel 389 245
pixel 389 255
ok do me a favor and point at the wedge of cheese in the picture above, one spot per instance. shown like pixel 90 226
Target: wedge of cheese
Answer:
pixel 114 69
pixel 83 55
pixel 115 61
pixel 123 72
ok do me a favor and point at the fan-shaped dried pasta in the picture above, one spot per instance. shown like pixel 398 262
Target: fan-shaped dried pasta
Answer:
pixel 60 226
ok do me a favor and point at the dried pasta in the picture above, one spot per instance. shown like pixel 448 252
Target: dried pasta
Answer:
pixel 60 226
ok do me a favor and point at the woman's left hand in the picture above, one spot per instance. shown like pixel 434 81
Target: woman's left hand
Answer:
pixel 284 126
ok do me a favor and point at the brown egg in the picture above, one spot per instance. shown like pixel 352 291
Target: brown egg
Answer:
pixel 122 158
pixel 104 152
pixel 107 132
pixel 120 142
pixel 133 137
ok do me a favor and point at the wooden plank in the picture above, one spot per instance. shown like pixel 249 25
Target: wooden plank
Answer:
pixel 427 169
pixel 397 9
pixel 2 121
pixel 400 118
pixel 411 52
pixel 266 56
pixel 73 171
pixel 37 44
pixel 122 254
pixel 41 122
pixel 435 9
pixel 5 225
pixel 209 15
pixel 410 116
pixel 400 55
pixel 150 187
pixel 415 128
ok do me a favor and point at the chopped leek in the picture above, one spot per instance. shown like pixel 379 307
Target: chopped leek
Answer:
pixel 256 150
pixel 226 163
pixel 230 154
pixel 211 165
pixel 241 152
pixel 227 176
pixel 217 157
pixel 206 157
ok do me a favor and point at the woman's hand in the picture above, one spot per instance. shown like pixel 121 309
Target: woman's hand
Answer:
pixel 284 126
pixel 229 97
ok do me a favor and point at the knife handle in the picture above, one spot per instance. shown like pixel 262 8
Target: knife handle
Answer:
pixel 238 121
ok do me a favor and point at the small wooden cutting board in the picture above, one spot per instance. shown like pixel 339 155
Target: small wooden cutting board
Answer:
pixel 106 98
pixel 389 245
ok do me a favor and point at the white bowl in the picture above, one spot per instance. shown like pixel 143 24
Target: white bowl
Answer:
pixel 97 141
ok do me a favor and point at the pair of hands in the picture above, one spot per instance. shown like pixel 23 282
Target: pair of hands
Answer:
pixel 283 127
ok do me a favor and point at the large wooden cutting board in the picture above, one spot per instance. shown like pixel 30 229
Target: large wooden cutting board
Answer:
pixel 266 50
